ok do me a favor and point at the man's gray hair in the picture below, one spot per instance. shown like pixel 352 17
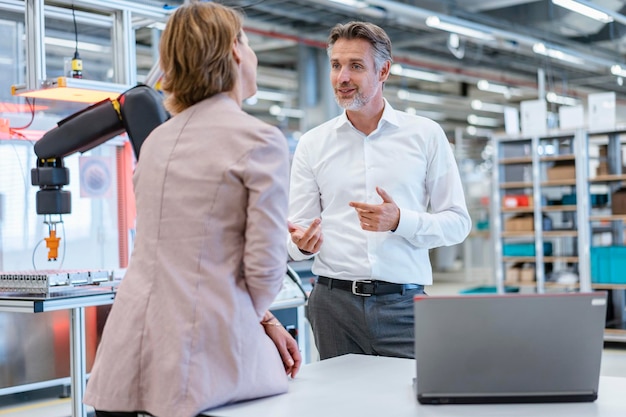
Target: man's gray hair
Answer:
pixel 375 35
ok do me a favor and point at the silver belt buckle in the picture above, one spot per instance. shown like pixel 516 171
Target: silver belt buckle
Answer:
pixel 354 289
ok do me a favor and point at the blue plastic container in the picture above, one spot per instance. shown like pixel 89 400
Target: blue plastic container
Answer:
pixel 487 290
pixel 608 264
pixel 525 249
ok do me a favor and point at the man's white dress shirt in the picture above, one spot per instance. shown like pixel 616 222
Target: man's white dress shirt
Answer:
pixel 411 159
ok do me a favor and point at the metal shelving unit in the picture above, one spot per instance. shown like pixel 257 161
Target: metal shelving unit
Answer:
pixel 522 165
pixel 606 227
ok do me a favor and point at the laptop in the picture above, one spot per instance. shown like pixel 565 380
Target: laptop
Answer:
pixel 511 348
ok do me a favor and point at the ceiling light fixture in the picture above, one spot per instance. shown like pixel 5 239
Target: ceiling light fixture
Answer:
pixel 281 112
pixel 268 96
pixel 434 115
pixel 397 69
pixel 418 97
pixel 490 107
pixel 437 23
pixel 584 8
pixel 359 4
pixel 542 49
pixel 482 121
pixel 506 91
pixel 553 97
pixel 618 70
pixel 474 131
pixel 77 90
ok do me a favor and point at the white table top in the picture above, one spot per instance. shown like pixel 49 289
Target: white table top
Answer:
pixel 370 386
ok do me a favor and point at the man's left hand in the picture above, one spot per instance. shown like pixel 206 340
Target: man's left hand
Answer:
pixel 378 217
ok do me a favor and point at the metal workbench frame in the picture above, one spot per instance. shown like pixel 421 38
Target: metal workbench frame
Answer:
pixel 75 302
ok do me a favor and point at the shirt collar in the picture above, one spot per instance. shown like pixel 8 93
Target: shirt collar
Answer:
pixel 389 116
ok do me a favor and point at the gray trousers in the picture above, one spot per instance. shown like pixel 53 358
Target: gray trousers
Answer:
pixel 346 323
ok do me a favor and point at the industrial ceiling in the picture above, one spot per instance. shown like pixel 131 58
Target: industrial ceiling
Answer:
pixel 528 48
pixel 507 56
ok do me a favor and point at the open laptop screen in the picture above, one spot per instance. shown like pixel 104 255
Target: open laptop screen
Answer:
pixel 509 348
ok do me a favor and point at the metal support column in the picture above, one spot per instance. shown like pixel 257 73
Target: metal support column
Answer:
pixel 124 55
pixel 35 54
pixel 540 270
pixel 496 217
pixel 614 160
pixel 615 163
pixel 584 210
pixel 78 370
pixel 316 95
pixel 541 84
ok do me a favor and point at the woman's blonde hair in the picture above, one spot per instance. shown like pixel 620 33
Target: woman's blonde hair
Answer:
pixel 196 53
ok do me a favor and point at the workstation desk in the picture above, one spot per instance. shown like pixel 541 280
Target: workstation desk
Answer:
pixel 374 386
pixel 75 300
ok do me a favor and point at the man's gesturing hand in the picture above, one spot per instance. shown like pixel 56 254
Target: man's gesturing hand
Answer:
pixel 308 240
pixel 378 217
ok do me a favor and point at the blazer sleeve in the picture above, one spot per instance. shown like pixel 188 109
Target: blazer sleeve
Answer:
pixel 265 253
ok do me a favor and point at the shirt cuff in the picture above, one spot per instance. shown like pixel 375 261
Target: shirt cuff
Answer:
pixel 296 254
pixel 407 224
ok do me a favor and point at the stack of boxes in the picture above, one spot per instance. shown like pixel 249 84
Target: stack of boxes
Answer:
pixel 608 263
pixel 618 201
pixel 519 223
pixel 618 198
pixel 561 170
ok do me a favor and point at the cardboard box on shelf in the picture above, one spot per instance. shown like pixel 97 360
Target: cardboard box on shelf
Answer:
pixel 512 275
pixel 519 223
pixel 562 170
pixel 602 169
pixel 618 201
pixel 527 274
pixel 526 223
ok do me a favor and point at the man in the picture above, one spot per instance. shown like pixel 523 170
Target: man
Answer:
pixel 371 191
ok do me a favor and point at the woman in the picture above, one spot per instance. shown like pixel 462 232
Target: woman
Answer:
pixel 189 327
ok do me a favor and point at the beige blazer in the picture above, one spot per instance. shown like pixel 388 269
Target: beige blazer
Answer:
pixel 209 258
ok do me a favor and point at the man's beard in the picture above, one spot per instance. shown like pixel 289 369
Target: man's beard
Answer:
pixel 355 103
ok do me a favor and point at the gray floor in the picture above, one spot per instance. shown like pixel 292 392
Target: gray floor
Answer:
pixel 613 358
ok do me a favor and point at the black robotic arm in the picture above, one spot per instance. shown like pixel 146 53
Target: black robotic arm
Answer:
pixel 137 112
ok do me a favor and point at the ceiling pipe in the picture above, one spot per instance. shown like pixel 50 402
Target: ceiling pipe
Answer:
pixel 407 15
pixel 456 73
pixel 617 17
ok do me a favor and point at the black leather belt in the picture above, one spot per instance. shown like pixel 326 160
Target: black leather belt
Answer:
pixel 367 288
